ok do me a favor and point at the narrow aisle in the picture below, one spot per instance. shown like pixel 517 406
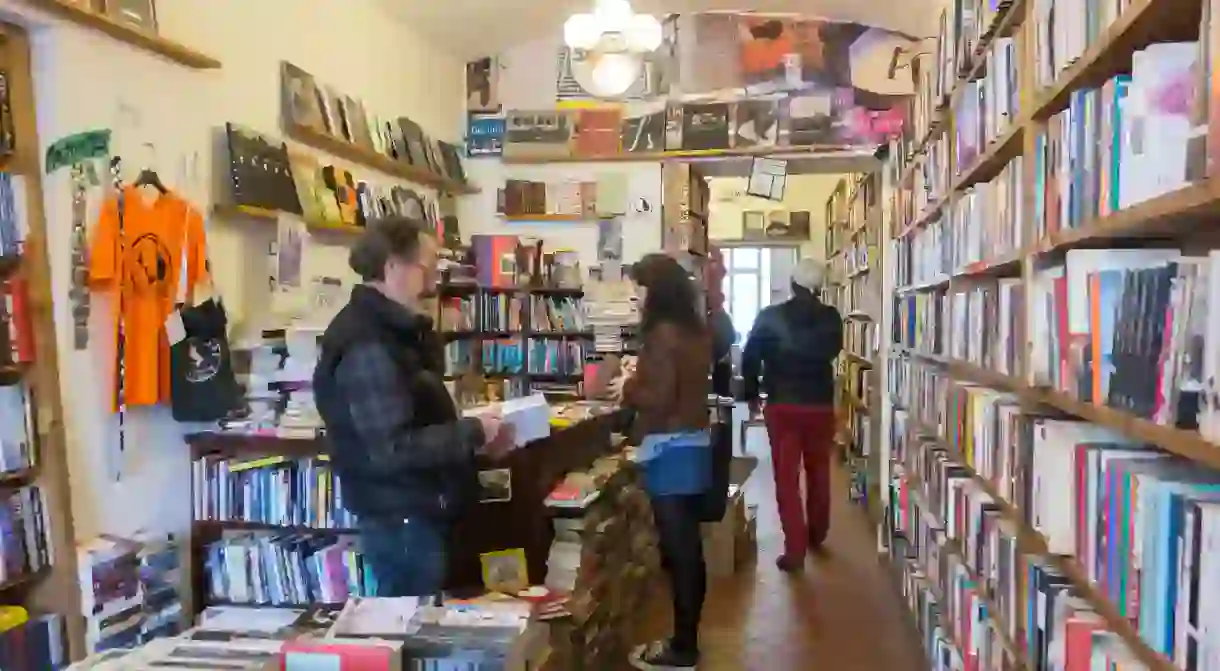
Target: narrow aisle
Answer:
pixel 840 614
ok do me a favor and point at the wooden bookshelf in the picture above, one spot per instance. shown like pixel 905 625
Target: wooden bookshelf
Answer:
pixel 371 159
pixel 55 589
pixel 141 39
pixel 1183 218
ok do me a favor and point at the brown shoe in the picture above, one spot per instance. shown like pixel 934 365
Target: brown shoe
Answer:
pixel 790 564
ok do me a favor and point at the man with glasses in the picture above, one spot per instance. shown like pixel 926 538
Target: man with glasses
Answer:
pixel 404 457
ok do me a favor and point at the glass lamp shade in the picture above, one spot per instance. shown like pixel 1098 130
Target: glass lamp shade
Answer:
pixel 613 74
pixel 644 33
pixel 613 16
pixel 582 31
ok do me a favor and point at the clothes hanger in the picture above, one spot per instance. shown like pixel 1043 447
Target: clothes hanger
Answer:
pixel 149 177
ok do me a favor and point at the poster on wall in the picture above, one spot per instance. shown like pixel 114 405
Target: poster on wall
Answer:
pixel 482 85
pixel 775 226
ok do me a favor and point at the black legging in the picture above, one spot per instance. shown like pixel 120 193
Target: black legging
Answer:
pixel 677 520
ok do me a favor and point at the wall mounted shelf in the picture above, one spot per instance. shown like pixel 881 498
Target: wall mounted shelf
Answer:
pixel 141 39
pixel 271 216
pixel 371 159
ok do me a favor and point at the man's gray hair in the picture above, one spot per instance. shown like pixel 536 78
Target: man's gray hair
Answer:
pixel 809 274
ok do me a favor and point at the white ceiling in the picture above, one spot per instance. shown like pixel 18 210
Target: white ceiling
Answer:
pixel 476 28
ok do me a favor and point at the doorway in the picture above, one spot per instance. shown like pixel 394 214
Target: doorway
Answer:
pixel 756 277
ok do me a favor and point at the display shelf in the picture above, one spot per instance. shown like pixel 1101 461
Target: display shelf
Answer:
pixel 141 39
pixel 270 217
pixel 684 155
pixel 371 159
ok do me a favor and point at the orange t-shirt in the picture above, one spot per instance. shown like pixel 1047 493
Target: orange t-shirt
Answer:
pixel 158 235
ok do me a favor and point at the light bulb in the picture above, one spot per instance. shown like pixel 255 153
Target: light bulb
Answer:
pixel 644 33
pixel 613 16
pixel 581 31
pixel 613 74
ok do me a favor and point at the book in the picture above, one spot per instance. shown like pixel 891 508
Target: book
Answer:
pixel 274 491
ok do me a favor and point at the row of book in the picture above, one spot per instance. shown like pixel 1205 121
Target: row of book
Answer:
pixel 25 543
pixel 500 312
pixel 549 356
pixel 1141 524
pixel 606 197
pixel 986 107
pixel 38 643
pixel 985 222
pixel 556 314
pixel 984 324
pixel 17 451
pixel 286 569
pixel 1064 29
pixel 1130 329
pixel 14 223
pixel 965 635
pixel 1121 144
pixel 860 337
pixel 920 319
pixel 932 179
pixel 274 490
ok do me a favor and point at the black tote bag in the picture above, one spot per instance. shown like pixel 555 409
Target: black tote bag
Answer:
pixel 203 387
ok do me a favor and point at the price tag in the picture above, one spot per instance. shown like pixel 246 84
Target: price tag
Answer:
pixel 175 331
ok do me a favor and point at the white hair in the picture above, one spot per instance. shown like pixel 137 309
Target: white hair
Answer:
pixel 808 274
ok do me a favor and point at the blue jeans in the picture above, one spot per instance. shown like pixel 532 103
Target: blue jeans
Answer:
pixel 407 558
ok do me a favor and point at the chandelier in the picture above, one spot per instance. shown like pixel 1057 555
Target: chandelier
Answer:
pixel 613 41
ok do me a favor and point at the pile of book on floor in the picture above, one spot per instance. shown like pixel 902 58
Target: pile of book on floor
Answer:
pixel 375 634
pixel 603 559
pixel 129 590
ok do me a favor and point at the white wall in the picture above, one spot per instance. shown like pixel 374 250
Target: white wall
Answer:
pixel 85 80
pixel 801 193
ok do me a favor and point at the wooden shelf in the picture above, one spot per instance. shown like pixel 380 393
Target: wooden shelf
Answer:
pixel 1033 543
pixel 371 159
pixel 216 526
pixel 556 217
pixel 122 32
pixel 271 216
pixel 682 155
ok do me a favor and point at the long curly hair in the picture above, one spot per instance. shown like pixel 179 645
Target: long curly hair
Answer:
pixel 672 294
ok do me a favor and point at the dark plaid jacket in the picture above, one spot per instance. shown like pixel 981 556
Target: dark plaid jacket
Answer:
pixel 397 442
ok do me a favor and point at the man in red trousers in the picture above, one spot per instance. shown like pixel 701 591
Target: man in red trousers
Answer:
pixel 790 355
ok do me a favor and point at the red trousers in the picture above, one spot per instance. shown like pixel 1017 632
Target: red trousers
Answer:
pixel 801 437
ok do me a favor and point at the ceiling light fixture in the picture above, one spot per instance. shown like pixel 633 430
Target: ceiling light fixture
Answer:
pixel 613 27
pixel 609 46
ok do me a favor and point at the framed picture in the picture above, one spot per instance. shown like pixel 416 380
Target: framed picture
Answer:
pixel 302 104
pixel 141 14
pixel 495 485
pixel 481 85
pixel 505 571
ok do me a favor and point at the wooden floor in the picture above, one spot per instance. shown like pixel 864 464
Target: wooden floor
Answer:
pixel 840 614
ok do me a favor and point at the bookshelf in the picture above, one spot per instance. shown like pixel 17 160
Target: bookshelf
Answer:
pixel 853 214
pixel 53 588
pixel 543 331
pixel 1048 275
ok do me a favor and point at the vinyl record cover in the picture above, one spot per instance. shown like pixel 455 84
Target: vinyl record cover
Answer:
pixel 484 135
pixel 809 119
pixel 482 85
pixel 413 142
pixel 358 122
pixel 301 103
pixel 756 123
pixel 769 61
pixel 705 126
pixel 673 128
pixel 644 133
pixel 338 115
pixel 541 134
pixel 597 131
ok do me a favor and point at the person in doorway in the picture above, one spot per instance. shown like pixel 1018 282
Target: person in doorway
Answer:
pixel 668 390
pixel 724 334
pixel 789 355
pixel 405 457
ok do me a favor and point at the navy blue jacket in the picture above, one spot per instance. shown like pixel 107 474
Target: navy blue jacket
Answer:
pixel 791 350
pixel 397 442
